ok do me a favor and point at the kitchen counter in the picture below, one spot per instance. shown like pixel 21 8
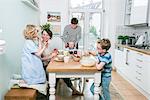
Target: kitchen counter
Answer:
pixel 145 51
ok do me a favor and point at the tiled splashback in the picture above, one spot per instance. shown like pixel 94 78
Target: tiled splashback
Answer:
pixel 132 31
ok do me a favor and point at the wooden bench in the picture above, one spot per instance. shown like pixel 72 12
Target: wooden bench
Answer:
pixel 21 94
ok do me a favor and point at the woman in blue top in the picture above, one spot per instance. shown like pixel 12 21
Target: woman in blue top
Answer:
pixel 32 67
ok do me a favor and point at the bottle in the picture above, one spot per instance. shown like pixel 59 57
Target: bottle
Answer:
pixel 146 39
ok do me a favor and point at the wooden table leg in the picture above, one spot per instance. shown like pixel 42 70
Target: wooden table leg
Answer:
pixel 52 82
pixel 97 80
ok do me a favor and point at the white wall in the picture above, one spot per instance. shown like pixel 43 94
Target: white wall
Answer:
pixel 114 16
pixel 13 18
pixel 55 6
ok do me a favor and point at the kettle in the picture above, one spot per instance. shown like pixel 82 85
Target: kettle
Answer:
pixel 140 40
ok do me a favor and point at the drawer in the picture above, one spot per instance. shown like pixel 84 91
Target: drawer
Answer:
pixel 139 81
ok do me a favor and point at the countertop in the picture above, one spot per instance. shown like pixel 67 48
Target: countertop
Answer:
pixel 144 51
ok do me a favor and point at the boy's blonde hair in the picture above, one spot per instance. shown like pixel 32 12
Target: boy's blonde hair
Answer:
pixel 105 44
pixel 30 31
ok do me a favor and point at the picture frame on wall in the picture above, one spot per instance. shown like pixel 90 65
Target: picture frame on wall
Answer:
pixel 53 17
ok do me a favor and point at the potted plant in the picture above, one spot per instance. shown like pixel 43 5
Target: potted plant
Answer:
pixel 125 39
pixel 120 39
pixel 46 26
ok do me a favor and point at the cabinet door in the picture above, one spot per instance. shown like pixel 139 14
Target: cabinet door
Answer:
pixel 130 63
pixel 118 61
pixel 141 73
pixel 139 12
pixel 149 13
pixel 147 72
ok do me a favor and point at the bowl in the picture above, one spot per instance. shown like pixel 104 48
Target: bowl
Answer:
pixel 76 58
pixel 87 62
pixel 60 57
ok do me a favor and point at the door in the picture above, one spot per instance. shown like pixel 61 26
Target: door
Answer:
pixel 90 18
pixel 91 26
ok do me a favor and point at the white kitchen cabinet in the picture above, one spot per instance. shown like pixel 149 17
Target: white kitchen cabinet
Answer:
pixel 147 78
pixel 135 67
pixel 130 63
pixel 149 13
pixel 118 62
pixel 136 12
pixel 140 70
pixel 127 12
pixel 139 11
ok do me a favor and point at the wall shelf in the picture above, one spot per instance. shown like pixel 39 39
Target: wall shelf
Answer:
pixel 30 4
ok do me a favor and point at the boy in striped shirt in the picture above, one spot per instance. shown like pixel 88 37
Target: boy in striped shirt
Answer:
pixel 104 65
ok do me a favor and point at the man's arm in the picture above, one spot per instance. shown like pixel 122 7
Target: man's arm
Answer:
pixel 79 34
pixel 65 37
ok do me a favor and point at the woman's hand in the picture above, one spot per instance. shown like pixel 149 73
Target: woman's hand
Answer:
pixel 45 44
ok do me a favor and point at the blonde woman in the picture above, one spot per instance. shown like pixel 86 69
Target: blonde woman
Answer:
pixel 32 68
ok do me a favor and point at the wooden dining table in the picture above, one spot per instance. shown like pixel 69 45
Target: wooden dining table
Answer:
pixel 71 69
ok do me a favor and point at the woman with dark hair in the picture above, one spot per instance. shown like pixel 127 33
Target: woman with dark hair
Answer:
pixel 48 57
pixel 47 54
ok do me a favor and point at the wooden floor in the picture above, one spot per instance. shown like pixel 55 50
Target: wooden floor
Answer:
pixel 120 85
pixel 127 91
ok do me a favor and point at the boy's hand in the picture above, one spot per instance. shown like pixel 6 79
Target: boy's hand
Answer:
pixel 100 65
pixel 86 53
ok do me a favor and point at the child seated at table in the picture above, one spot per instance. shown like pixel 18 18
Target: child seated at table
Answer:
pixel 71 48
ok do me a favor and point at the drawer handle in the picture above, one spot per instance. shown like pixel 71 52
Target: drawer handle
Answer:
pixel 139 73
pixel 140 54
pixel 138 79
pixel 139 66
pixel 139 60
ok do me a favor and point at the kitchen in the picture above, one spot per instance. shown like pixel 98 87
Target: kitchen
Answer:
pixel 118 19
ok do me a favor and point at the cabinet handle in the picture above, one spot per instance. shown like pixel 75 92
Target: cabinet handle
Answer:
pixel 138 79
pixel 140 54
pixel 139 60
pixel 127 53
pixel 139 66
pixel 139 73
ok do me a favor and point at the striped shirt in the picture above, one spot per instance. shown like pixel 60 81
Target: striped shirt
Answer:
pixel 106 72
pixel 71 35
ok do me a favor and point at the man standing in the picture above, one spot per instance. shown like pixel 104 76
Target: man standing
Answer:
pixel 72 33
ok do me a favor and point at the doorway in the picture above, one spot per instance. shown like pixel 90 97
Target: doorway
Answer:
pixel 90 16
